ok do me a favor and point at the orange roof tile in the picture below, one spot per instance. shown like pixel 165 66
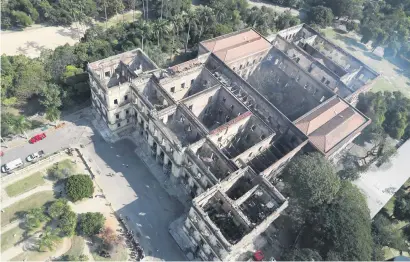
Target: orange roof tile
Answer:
pixel 309 123
pixel 232 47
pixel 331 123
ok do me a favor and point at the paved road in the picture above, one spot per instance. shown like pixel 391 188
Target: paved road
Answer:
pixel 72 133
pixel 134 192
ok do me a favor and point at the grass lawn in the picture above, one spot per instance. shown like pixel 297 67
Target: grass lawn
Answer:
pixel 25 184
pixel 391 252
pixel 11 237
pixel 392 77
pixel 126 17
pixel 382 84
pixel 77 246
pixel 328 32
pixel 36 200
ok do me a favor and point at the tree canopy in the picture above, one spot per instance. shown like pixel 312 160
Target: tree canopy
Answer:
pixel 391 111
pixel 402 207
pixel 90 223
pixel 342 227
pixel 303 254
pixel 314 180
pixel 79 187
pixel 320 15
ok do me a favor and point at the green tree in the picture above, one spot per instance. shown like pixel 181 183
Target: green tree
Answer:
pixel 22 77
pixel 401 209
pixel 79 187
pixel 53 114
pixel 70 74
pixel 190 19
pixel 56 172
pixel 51 96
pixel 21 125
pixel 285 20
pixel 206 17
pixel 350 173
pixel 48 239
pixel 161 28
pixel 56 62
pixel 67 223
pixel 303 254
pixel 22 19
pixel 58 208
pixel 312 178
pixel 374 106
pixel 385 234
pixel 262 19
pixel 343 226
pixel 90 224
pixel 346 8
pixel 320 15
pixel 34 218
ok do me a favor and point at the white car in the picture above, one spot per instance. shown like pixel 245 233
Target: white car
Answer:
pixel 35 156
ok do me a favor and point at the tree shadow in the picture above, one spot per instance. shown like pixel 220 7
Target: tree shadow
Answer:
pixel 71 32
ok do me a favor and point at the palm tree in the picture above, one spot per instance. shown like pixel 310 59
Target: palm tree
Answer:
pixel 146 30
pixel 190 18
pixel 20 125
pixel 52 114
pixel 48 239
pixel 177 23
pixel 205 13
pixel 220 11
pixel 160 28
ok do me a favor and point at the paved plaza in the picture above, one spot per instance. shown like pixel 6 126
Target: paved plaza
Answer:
pixel 135 193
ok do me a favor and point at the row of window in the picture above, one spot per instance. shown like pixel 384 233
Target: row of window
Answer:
pixel 241 66
pixel 182 86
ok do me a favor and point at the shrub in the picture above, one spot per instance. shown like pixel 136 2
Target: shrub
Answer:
pixel 58 208
pixel 110 239
pixel 79 187
pixel 68 222
pixel 90 223
pixel 57 173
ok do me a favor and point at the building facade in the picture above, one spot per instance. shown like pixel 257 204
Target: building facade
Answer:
pixel 224 124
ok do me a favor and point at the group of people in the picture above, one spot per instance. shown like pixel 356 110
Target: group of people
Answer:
pixel 137 252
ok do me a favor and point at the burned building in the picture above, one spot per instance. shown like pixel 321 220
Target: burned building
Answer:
pixel 221 125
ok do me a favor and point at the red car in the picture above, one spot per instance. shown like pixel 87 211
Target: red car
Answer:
pixel 37 138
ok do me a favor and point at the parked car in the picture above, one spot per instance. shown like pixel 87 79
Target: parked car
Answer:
pixel 11 165
pixel 35 156
pixel 37 138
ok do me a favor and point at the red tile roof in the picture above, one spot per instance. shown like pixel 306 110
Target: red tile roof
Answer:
pixel 330 123
pixel 232 47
